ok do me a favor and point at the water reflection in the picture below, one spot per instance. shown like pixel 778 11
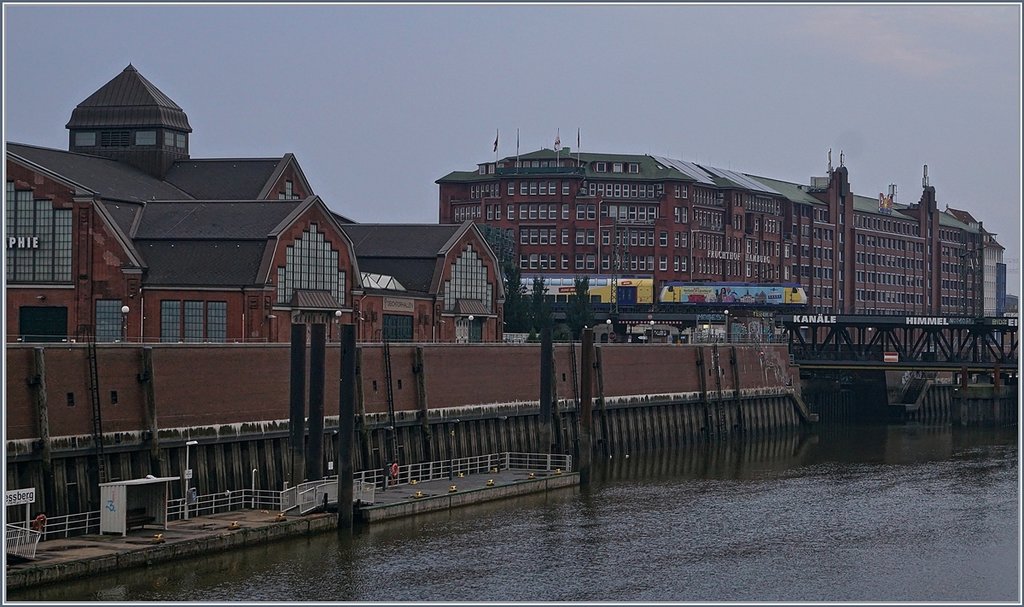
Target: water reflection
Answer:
pixel 868 513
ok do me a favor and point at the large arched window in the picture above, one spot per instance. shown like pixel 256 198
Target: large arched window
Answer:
pixel 468 281
pixel 311 263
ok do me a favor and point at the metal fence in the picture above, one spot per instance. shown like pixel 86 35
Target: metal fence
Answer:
pixel 21 541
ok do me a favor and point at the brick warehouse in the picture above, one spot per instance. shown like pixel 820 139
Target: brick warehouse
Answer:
pixel 125 232
pixel 648 216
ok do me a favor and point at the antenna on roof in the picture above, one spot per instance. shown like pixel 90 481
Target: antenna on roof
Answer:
pixel 924 178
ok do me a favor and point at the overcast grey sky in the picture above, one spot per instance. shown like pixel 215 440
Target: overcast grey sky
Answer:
pixel 378 102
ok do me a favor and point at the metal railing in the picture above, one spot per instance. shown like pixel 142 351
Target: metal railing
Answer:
pixel 478 464
pixel 310 495
pixel 21 541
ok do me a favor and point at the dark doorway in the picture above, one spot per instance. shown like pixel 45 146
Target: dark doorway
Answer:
pixel 42 323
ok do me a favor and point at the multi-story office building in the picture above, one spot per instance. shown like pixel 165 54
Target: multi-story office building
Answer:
pixel 677 221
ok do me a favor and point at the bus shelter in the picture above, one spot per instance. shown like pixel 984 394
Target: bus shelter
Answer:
pixel 134 503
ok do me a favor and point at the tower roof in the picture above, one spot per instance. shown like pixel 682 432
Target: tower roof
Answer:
pixel 128 101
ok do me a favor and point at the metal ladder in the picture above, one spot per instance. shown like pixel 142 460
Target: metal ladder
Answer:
pixel 391 400
pixel 87 333
pixel 719 405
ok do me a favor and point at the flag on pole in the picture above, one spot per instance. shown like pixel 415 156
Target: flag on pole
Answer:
pixel 495 140
pixel 558 140
pixel 517 148
pixel 577 139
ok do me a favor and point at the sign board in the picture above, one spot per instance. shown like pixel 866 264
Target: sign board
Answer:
pixel 19 497
pixel 188 474
pixel 891 357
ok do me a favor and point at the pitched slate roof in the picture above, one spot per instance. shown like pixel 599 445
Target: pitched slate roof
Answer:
pixel 415 275
pixel 213 219
pixel 397 240
pixel 110 179
pixel 223 178
pixel 408 252
pixel 199 263
pixel 128 100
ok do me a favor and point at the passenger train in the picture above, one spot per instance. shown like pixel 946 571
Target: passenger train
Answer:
pixel 641 291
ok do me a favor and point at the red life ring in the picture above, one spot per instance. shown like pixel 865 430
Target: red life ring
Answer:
pixel 39 523
pixel 394 469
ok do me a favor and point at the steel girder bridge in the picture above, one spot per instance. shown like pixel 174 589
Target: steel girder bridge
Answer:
pixel 902 342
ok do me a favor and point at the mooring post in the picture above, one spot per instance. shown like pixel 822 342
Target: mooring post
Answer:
pixel 297 404
pixel 149 407
pixel 38 383
pixel 586 406
pixel 545 389
pixel 317 364
pixel 346 426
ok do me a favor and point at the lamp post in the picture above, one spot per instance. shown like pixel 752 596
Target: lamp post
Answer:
pixel 726 325
pixel 124 322
pixel 337 321
pixel 608 323
pixel 188 471
pixel 469 337
pixel 650 339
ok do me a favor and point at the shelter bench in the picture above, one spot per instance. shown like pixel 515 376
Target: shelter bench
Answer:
pixel 137 517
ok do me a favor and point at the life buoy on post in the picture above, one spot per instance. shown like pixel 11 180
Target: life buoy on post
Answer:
pixel 394 470
pixel 39 523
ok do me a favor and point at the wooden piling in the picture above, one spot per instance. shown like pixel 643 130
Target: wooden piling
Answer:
pixel 346 427
pixel 586 418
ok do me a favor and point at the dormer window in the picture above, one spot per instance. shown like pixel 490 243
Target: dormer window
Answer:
pixel 145 137
pixel 85 139
pixel 617 167
pixel 634 167
pixel 180 139
pixel 600 167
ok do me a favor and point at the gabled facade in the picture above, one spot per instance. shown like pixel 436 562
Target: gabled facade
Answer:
pixel 427 283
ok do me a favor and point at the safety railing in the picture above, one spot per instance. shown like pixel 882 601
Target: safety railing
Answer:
pixel 21 541
pixel 310 495
pixel 443 469
pixel 225 501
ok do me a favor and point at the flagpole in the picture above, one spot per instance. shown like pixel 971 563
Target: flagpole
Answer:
pixel 517 149
pixel 558 145
pixel 495 149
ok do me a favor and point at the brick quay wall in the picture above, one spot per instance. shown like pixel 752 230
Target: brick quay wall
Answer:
pixel 450 400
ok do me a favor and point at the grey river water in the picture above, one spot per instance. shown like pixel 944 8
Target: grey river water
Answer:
pixel 897 513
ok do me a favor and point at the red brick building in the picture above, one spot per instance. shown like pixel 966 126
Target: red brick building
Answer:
pixel 128 236
pixel 671 220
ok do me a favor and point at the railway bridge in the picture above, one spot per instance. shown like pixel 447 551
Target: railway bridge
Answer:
pixel 924 343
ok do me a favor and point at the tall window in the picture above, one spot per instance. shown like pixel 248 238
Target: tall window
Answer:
pixel 41 247
pixel 170 321
pixel 109 323
pixel 310 263
pixel 468 281
pixel 201 321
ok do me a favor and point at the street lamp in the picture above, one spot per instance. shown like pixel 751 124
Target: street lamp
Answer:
pixel 188 472
pixel 124 322
pixel 650 340
pixel 726 325
pixel 337 321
